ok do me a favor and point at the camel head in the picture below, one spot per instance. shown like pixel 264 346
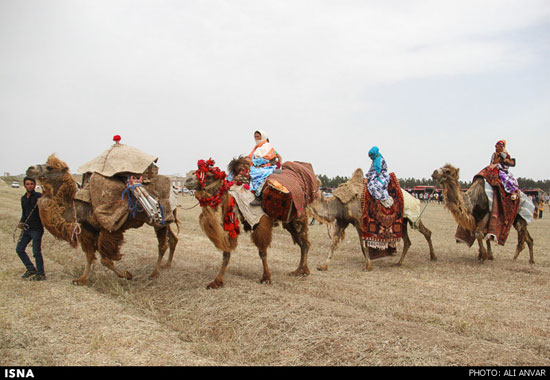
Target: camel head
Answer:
pixel 52 170
pixel 211 179
pixel 52 175
pixel 191 182
pixel 237 165
pixel 446 172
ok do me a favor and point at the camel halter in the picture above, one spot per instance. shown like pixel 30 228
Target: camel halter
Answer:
pixel 230 220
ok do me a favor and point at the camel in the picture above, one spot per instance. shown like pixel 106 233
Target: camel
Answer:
pixel 471 211
pixel 335 211
pixel 213 221
pixel 73 220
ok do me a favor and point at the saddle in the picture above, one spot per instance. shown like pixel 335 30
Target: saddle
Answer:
pixel 382 226
pixel 286 195
pixel 503 213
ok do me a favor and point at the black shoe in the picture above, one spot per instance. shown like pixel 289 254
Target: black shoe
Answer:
pixel 28 273
pixel 256 202
pixel 38 277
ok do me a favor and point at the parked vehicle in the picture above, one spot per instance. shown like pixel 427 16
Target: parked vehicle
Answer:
pixel 15 184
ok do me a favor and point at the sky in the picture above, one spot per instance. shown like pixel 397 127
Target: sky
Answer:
pixel 429 82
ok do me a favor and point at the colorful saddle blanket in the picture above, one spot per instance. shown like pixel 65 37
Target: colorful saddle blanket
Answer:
pixel 295 186
pixel 382 227
pixel 505 207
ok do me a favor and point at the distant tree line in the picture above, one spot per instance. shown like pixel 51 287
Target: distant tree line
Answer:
pixel 332 182
pixel 527 183
pixel 524 183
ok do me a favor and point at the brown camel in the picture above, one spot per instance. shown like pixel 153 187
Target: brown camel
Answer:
pixel 343 211
pixel 471 211
pixel 73 220
pixel 212 220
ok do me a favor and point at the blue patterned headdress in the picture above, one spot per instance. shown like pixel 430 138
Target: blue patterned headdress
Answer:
pixel 376 157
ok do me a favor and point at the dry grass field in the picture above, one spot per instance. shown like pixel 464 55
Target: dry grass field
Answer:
pixel 452 312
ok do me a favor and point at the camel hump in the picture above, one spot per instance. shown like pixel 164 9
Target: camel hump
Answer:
pixel 347 191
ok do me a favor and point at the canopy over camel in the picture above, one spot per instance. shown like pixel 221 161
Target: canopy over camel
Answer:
pixel 71 216
pixel 471 210
pixel 345 208
pixel 223 213
pixel 119 159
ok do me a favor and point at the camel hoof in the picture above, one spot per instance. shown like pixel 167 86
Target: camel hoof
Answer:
pixel 214 285
pixel 127 275
pixel 79 282
pixel 323 267
pixel 300 273
pixel 154 275
pixel 266 281
pixel 368 268
pixel 166 266
pixel 434 258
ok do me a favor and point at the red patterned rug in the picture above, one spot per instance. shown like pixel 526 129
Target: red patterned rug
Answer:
pixel 503 214
pixel 382 227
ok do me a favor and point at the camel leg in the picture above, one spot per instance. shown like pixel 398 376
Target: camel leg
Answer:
pixel 266 276
pixel 261 237
pixel 218 281
pixel 172 242
pixel 162 237
pixel 523 237
pixel 339 233
pixel 83 279
pixel 480 231
pixel 428 235
pixel 298 228
pixel 406 243
pixel 489 250
pixel 482 256
pixel 364 250
pixel 120 273
pixel 108 244
pixel 88 243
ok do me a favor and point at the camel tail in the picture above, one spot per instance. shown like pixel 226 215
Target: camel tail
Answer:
pixel 176 219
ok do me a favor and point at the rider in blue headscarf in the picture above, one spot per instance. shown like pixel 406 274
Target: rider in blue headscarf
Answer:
pixel 378 178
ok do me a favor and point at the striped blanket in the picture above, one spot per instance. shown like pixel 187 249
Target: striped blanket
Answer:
pixel 300 181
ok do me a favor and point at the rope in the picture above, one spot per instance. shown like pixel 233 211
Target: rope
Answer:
pixel 133 205
pixel 76 229
pixel 422 212
pixel 189 208
pixel 25 226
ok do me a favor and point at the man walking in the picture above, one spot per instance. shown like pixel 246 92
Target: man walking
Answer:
pixel 32 231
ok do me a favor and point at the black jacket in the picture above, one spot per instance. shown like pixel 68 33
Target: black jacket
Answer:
pixel 27 205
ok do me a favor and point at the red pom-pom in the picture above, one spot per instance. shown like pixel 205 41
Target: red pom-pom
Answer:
pixel 116 138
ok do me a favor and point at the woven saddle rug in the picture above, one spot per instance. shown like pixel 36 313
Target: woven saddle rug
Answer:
pixel 111 210
pixel 382 227
pixel 295 186
pixel 503 212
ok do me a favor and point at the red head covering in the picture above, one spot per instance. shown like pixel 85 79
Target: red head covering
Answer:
pixel 501 143
pixel 116 138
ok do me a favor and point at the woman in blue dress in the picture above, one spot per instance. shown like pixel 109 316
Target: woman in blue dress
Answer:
pixel 378 178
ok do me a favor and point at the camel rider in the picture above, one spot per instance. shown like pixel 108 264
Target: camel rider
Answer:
pixel 378 178
pixel 264 161
pixel 501 161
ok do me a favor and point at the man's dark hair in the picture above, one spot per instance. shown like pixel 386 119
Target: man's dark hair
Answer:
pixel 29 179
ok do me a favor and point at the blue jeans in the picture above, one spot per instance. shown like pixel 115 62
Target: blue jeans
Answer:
pixel 36 237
